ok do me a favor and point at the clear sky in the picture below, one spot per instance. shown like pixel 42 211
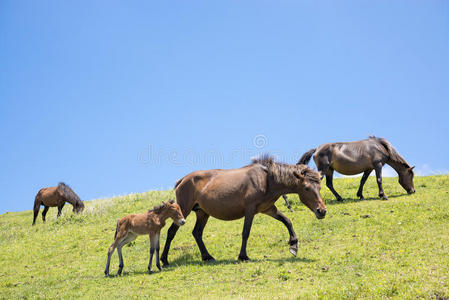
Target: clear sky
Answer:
pixel 115 97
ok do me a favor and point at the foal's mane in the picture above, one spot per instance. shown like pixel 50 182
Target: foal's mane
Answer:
pixel 283 172
pixel 158 209
pixel 394 155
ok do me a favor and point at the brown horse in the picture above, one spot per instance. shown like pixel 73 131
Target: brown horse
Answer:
pixel 244 192
pixel 151 222
pixel 362 156
pixel 56 196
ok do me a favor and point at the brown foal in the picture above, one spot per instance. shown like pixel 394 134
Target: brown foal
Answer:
pixel 151 223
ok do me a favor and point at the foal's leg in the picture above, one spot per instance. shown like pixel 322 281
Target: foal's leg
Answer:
pixel 60 207
pixel 330 185
pixel 154 245
pixel 201 220
pixel 287 203
pixel 293 242
pixel 129 238
pixel 378 170
pixel 44 212
pixel 362 183
pixel 121 234
pixel 249 216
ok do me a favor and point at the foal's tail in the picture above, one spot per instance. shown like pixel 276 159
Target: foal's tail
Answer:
pixel 305 158
pixel 116 229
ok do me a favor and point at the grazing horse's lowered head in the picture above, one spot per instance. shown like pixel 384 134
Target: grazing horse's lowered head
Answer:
pixel 406 179
pixel 305 182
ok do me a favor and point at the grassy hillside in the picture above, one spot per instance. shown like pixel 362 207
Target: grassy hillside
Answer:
pixel 362 249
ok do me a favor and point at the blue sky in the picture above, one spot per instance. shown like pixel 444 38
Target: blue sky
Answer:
pixel 115 97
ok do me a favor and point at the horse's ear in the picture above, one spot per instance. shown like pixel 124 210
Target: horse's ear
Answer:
pixel 298 175
pixel 171 201
pixel 412 168
pixel 320 174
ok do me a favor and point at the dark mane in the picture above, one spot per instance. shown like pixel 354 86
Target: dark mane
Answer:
pixel 283 172
pixel 393 154
pixel 158 209
pixel 69 194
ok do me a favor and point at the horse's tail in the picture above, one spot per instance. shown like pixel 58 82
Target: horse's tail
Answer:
pixel 305 158
pixel 69 194
pixel 37 200
pixel 393 154
pixel 178 182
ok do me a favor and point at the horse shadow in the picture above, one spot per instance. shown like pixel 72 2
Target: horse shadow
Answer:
pixel 355 200
pixel 187 260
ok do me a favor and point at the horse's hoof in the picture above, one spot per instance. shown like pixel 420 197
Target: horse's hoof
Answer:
pixel 106 274
pixel 340 199
pixel 208 258
pixel 150 272
pixel 383 197
pixel 159 267
pixel 165 265
pixel 294 251
pixel 243 258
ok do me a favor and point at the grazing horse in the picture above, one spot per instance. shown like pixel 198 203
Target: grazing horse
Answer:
pixel 362 156
pixel 237 193
pixel 151 222
pixel 56 196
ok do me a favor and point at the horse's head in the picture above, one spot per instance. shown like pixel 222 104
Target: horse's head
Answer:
pixel 406 179
pixel 78 207
pixel 174 212
pixel 309 186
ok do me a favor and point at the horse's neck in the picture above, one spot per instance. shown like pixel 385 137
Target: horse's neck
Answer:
pixel 278 189
pixel 398 167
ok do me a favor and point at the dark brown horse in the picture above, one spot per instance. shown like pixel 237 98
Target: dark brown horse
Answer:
pixel 244 192
pixel 362 156
pixel 151 223
pixel 56 196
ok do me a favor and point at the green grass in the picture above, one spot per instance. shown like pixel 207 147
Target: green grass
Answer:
pixel 363 249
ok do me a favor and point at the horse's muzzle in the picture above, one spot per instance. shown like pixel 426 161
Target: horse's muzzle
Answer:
pixel 182 222
pixel 411 191
pixel 319 213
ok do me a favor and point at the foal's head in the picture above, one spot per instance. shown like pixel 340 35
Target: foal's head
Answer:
pixel 309 186
pixel 172 210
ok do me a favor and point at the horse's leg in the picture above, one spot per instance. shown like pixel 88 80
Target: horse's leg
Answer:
pixel 293 242
pixel 330 185
pixel 171 235
pixel 378 170
pixel 249 216
pixel 287 203
pixel 60 207
pixel 44 212
pixel 201 220
pixel 362 183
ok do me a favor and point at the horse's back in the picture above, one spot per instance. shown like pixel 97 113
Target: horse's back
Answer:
pixel 222 193
pixel 350 158
pixel 49 196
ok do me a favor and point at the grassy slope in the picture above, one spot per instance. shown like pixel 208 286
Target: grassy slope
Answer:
pixel 401 250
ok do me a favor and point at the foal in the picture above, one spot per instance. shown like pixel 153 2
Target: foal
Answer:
pixel 151 223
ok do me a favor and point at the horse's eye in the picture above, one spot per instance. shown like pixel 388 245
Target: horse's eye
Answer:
pixel 307 189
